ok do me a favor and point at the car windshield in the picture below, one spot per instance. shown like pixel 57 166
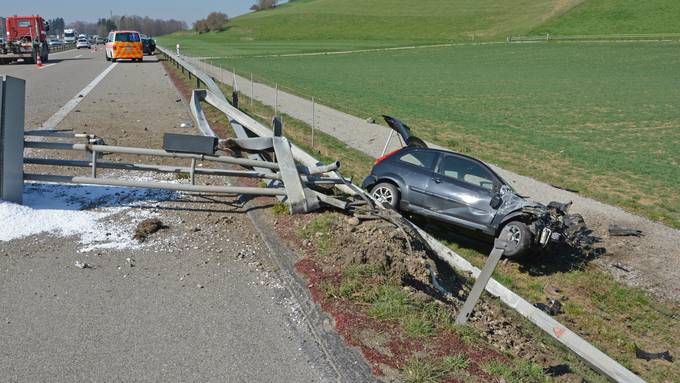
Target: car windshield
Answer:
pixel 127 37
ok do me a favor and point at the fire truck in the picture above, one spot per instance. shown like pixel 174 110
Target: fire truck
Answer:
pixel 26 39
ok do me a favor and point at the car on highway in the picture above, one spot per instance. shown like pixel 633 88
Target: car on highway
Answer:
pixel 55 43
pixel 463 191
pixel 82 43
pixel 99 40
pixel 149 44
pixel 124 45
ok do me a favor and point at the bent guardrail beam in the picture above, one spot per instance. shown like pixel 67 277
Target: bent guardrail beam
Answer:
pixel 600 361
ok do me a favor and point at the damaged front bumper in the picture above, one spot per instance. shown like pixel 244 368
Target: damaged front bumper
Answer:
pixel 553 223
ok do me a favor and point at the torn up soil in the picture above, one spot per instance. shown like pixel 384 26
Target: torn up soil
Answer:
pixel 148 227
pixel 374 279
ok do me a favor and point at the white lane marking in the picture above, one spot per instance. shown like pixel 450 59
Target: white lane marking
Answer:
pixel 56 118
pixel 48 65
pixel 79 56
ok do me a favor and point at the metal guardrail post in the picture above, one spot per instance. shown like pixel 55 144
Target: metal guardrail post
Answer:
pixel 12 105
pixel 482 280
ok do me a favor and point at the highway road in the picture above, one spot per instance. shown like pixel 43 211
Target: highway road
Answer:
pixel 198 303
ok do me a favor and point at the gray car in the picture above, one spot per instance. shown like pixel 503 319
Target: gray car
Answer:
pixel 463 191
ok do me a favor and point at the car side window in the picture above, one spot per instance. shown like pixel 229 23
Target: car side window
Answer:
pixel 420 158
pixel 466 170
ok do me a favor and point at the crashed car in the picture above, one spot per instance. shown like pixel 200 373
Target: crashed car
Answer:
pixel 465 192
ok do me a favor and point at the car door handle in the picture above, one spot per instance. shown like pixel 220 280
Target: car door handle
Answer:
pixel 438 180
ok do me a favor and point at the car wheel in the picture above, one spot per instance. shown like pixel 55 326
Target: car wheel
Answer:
pixel 518 237
pixel 385 192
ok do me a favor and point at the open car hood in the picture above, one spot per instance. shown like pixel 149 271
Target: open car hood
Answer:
pixel 404 132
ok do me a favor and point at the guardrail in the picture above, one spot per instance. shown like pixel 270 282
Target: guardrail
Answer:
pixel 61 48
pixel 598 360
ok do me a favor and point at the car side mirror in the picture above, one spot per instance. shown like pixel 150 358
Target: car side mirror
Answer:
pixel 496 201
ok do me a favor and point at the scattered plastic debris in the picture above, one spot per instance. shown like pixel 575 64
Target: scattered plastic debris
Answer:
pixel 622 231
pixel 552 308
pixel 82 265
pixel 641 354
pixel 557 370
pixel 620 267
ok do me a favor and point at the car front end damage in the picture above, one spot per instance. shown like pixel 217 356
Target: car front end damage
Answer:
pixel 547 224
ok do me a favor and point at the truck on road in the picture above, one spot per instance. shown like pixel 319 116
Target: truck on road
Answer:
pixel 70 36
pixel 26 39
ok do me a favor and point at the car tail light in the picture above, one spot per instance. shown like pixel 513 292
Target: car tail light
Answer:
pixel 384 157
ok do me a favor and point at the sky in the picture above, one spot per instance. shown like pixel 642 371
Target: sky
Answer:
pixel 88 10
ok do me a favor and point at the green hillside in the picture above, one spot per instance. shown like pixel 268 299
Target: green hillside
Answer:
pixel 395 19
pixel 617 17
pixel 313 25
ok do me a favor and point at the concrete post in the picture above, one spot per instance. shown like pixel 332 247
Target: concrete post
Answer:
pixel 12 104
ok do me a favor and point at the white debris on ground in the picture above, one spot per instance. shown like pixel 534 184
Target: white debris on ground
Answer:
pixel 80 210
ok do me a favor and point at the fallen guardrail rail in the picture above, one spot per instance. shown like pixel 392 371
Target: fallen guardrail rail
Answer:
pixel 599 361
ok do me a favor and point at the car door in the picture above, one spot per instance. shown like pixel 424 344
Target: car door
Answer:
pixel 415 166
pixel 462 188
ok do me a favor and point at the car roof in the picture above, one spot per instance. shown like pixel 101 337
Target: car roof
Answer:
pixel 125 31
pixel 443 151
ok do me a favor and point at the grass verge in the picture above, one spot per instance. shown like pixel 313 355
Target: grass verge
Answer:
pixel 611 316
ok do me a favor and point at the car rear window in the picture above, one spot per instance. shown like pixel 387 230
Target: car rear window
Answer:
pixel 420 158
pixel 127 37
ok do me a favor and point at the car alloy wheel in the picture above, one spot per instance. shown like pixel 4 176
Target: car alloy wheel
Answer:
pixel 383 194
pixel 514 235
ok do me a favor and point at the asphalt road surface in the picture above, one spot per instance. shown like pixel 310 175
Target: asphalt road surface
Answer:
pixel 197 303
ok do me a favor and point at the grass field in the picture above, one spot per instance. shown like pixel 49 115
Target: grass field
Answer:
pixel 610 315
pixel 616 17
pixel 331 25
pixel 599 118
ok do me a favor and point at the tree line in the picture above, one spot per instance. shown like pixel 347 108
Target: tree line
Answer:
pixel 146 25
pixel 216 21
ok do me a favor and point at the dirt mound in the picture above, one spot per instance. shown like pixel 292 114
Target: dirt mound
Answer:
pixel 386 245
pixel 148 227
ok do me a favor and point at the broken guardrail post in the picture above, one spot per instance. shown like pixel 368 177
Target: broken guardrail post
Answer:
pixel 482 280
pixel 12 105
pixel 277 127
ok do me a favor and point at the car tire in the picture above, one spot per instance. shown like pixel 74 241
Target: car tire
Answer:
pixel 518 236
pixel 386 192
